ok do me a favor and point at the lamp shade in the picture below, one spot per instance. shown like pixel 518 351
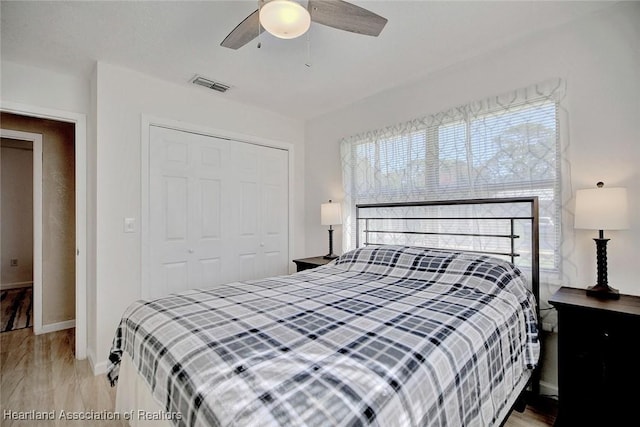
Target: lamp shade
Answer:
pixel 602 209
pixel 330 214
pixel 285 19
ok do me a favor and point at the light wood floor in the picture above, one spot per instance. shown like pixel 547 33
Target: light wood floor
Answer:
pixel 40 373
pixel 540 415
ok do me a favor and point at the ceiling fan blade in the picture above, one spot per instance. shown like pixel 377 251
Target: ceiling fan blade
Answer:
pixel 346 16
pixel 246 31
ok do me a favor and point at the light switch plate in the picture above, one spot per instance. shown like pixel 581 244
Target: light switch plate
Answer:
pixel 129 225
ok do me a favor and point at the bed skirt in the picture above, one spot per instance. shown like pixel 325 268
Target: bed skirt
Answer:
pixel 134 400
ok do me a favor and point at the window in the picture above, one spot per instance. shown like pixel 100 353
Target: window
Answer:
pixel 501 147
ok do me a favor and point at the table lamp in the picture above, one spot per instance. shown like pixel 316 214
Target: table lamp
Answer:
pixel 330 214
pixel 602 209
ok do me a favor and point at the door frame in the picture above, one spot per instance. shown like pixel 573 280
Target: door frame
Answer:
pixel 80 122
pixel 146 122
pixel 36 140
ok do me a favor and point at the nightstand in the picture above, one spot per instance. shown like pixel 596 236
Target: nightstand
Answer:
pixel 313 262
pixel 598 359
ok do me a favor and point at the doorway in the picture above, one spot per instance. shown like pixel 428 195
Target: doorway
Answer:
pixel 53 223
pixel 76 258
pixel 17 231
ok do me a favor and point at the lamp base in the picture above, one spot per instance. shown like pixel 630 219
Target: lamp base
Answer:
pixel 330 256
pixel 603 292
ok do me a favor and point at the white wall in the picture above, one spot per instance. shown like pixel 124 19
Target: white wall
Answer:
pixel 35 86
pixel 598 56
pixel 123 96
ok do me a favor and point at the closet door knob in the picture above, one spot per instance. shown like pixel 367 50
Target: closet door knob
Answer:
pixel 191 251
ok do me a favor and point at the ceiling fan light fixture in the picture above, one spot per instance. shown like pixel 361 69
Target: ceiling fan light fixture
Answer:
pixel 285 19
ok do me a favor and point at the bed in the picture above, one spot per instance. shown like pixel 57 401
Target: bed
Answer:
pixel 386 334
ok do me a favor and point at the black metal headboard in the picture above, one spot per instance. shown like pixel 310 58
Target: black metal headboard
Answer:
pixel 377 223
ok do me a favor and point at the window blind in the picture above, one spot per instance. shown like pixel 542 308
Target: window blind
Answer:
pixel 504 146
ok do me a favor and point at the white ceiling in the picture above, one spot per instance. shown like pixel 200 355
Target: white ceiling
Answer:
pixel 175 40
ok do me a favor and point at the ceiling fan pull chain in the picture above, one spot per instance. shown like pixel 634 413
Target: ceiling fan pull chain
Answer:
pixel 259 45
pixel 308 63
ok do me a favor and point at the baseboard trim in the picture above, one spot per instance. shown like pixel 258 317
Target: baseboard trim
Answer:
pixel 548 389
pixel 91 357
pixel 98 368
pixel 16 285
pixel 53 327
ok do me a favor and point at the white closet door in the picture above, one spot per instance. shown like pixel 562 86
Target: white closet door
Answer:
pixel 262 216
pixel 213 212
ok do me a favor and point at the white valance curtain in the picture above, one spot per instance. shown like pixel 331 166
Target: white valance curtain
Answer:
pixel 503 146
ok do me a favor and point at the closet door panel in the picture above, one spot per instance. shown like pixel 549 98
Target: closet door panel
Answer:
pixel 218 211
pixel 275 212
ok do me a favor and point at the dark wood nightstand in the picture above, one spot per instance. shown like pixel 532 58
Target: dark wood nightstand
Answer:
pixel 598 359
pixel 313 262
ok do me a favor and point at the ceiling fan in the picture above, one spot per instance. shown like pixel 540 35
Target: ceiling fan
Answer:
pixel 288 19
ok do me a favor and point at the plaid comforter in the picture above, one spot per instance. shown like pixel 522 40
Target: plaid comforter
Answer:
pixel 388 336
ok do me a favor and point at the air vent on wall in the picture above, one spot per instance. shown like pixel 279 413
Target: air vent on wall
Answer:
pixel 201 81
